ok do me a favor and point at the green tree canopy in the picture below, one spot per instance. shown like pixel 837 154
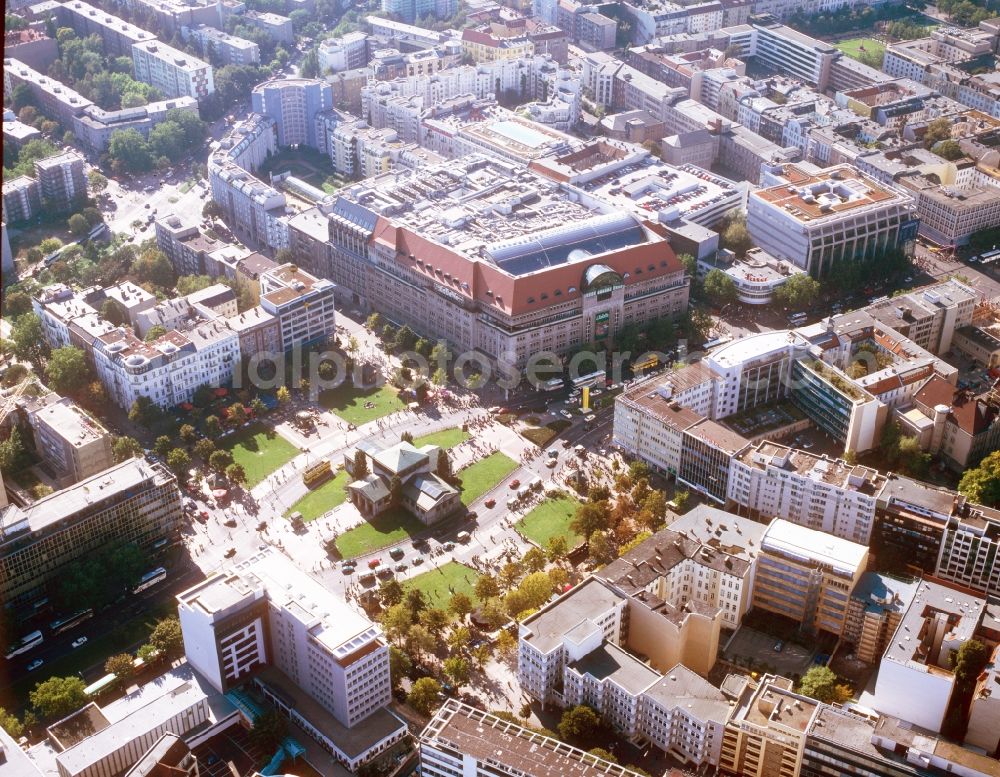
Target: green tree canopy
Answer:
pixel 66 370
pixel 58 696
pixel 423 696
pixel 579 724
pixel 822 684
pixel 798 293
pixel 719 287
pixel 129 151
pixel 982 484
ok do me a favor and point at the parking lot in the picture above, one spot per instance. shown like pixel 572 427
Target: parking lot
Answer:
pixel 759 647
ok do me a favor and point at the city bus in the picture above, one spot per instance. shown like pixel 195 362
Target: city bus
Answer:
pixel 26 643
pixel 990 257
pixel 64 624
pixel 551 385
pixel 591 379
pixel 650 362
pixel 150 579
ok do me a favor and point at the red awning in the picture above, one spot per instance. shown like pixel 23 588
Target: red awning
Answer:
pixel 221 392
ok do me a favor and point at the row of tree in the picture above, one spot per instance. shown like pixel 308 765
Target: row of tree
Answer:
pixel 180 133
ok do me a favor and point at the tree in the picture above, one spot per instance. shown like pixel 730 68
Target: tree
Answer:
pixel 360 464
pixel 179 462
pixel 124 448
pixel 719 287
pixel 493 614
pixel 948 149
pixel 459 638
pixel 534 559
pixel 10 724
pixel 162 445
pixel 822 684
pixel 798 293
pixel 460 605
pixel 506 643
pixel 57 697
pixel 405 339
pixel 237 413
pixel 29 340
pixel 310 64
pixel 375 323
pixel 423 696
pixel 78 225
pixel 396 621
pixel 510 573
pixel 457 669
pixel 486 588
pixel 579 724
pixel 156 331
pixel 591 517
pixel 434 619
pixel 187 434
pixel 390 592
pixel 415 602
pixel 602 547
pixel 167 637
pixel 399 664
pixel 213 426
pixel 204 448
pixel 735 235
pixel 982 484
pixel 98 183
pixel 219 460
pixel 269 730
pixel 236 474
pixel 144 411
pixel 282 395
pixel 129 152
pixel 536 588
pixel 395 490
pixel 154 267
pixel 121 667
pixel 600 752
pixel 212 210
pixel 557 548
pixel 16 303
pixel 12 453
pixel 937 130
pixel 420 640
pixel 66 370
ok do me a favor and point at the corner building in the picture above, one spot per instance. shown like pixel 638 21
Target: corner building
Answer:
pixel 499 260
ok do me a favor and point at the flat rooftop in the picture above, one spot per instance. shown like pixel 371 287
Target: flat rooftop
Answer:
pixel 913 639
pixel 809 545
pixel 828 194
pixel 774 705
pixel 71 423
pixel 515 135
pixel 482 209
pixel 680 687
pixel 881 593
pixel 610 662
pixel 924 496
pixel 463 730
pixel 589 599
pixel 815 467
pixel 751 347
pixel 112 483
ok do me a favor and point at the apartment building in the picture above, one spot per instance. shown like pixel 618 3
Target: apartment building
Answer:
pixel 117 36
pixel 984 710
pixel 483 45
pixel 494 291
pixel 265 618
pixel 708 556
pixel 132 502
pixel 347 52
pixel 950 215
pixel 32 46
pixel 877 605
pixel 765 734
pixel 174 73
pixel 807 575
pixel 55 100
pixel 75 445
pixel 411 11
pixel 21 199
pixel 791 52
pixel 185 245
pixel 293 104
pixel 95 126
pixel 302 304
pixel 649 425
pixel 829 495
pixel 278 27
pixel 222 48
pixel 63 181
pixel 915 677
pixel 464 740
pixel 816 220
pixel 930 315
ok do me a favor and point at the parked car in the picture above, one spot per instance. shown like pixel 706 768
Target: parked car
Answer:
pixel 374 563
pixel 515 483
pixel 490 503
pixel 79 642
pixel 779 646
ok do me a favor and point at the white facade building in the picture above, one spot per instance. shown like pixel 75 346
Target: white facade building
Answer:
pixel 175 73
pixel 774 481
pixel 302 303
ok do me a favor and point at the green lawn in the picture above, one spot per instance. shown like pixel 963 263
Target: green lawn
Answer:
pixel 349 403
pixel 390 527
pixel 446 438
pixel 323 499
pixel 549 519
pixel 260 450
pixel 439 584
pixel 853 47
pixel 480 477
pixel 100 646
